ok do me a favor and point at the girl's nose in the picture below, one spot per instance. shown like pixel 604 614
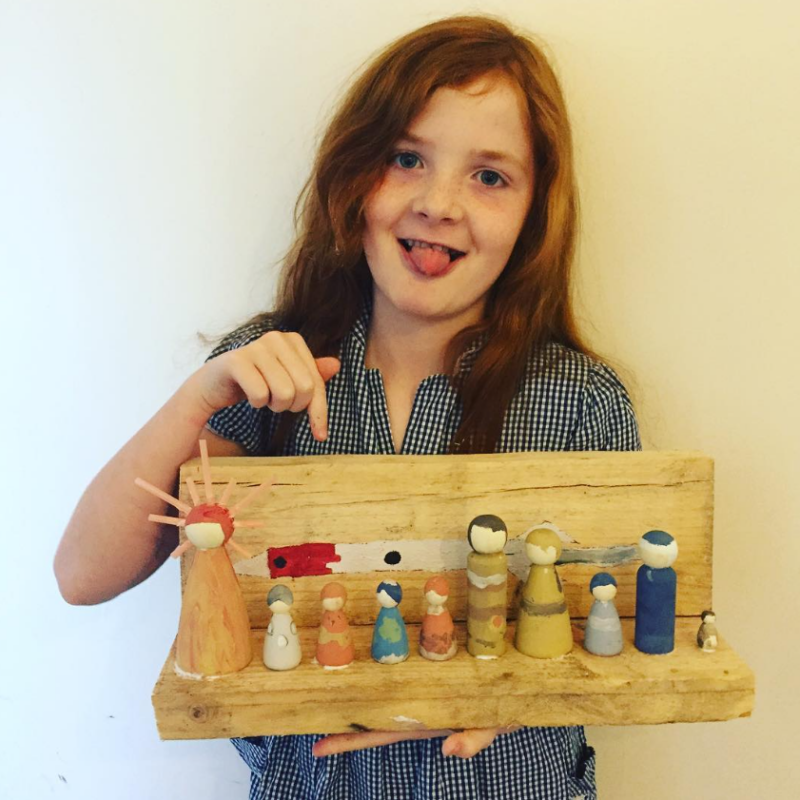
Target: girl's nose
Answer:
pixel 438 199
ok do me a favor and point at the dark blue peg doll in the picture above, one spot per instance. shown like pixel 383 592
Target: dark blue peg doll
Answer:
pixel 656 585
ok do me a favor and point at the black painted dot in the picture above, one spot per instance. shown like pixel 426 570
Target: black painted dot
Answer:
pixel 280 562
pixel 392 557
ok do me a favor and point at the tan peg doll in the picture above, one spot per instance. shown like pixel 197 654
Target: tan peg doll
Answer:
pixel 437 640
pixel 214 628
pixel 487 579
pixel 543 625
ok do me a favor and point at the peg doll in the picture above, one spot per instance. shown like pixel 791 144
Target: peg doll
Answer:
pixel 389 639
pixel 656 584
pixel 707 634
pixel 214 628
pixel 603 635
pixel 543 626
pixel 437 640
pixel 335 644
pixel 281 644
pixel 487 579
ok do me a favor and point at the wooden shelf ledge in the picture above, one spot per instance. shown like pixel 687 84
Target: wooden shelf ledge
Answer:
pixel 686 685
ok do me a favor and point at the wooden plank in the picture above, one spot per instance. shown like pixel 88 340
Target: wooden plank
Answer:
pixel 600 499
pixel 687 685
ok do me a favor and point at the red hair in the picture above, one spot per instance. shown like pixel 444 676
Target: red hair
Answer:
pixel 325 278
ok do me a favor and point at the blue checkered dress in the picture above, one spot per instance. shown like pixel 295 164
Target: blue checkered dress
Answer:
pixel 574 403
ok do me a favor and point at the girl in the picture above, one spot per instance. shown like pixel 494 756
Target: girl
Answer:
pixel 424 308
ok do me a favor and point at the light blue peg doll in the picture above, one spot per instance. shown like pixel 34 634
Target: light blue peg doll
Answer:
pixel 603 630
pixel 389 639
pixel 656 587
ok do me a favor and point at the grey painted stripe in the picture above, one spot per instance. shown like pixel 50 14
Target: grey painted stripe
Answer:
pixel 543 609
pixel 600 556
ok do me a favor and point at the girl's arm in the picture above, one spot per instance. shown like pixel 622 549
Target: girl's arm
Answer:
pixel 109 544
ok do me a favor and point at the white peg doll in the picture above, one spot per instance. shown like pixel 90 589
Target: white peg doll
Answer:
pixel 281 644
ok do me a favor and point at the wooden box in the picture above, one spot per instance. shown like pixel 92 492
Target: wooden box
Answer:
pixel 362 519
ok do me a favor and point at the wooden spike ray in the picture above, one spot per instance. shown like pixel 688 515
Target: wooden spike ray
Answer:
pixel 167 498
pixel 179 521
pixel 206 471
pixel 192 487
pixel 180 549
pixel 247 499
pixel 239 549
pixel 226 495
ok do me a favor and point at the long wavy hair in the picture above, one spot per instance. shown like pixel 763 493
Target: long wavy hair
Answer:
pixel 325 278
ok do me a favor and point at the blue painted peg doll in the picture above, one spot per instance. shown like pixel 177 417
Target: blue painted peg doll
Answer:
pixel 656 584
pixel 389 639
pixel 603 630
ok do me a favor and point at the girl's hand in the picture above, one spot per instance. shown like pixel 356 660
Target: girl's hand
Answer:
pixel 277 370
pixel 464 744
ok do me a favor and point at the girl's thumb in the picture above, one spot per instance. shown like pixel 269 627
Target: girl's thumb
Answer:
pixel 328 366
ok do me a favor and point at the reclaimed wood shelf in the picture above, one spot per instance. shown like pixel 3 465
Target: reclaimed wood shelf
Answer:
pixel 360 509
pixel 686 685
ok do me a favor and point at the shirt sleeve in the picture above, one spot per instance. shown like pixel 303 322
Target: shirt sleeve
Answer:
pixel 606 420
pixel 241 423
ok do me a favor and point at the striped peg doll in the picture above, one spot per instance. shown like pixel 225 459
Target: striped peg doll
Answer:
pixel 487 580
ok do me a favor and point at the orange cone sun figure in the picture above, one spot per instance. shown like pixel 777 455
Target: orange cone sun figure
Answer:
pixel 214 629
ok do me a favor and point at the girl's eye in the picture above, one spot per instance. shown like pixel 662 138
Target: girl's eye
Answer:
pixel 493 178
pixel 405 160
pixel 489 177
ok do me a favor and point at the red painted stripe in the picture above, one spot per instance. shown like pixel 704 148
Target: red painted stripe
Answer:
pixel 300 560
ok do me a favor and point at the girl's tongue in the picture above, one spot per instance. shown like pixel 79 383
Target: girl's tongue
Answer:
pixel 429 261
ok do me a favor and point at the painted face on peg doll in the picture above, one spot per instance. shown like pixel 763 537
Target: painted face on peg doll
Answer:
pixel 543 547
pixel 208 526
pixel 487 534
pixel 604 592
pixel 658 549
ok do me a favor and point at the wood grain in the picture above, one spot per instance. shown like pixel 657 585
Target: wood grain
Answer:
pixel 600 499
pixel 687 685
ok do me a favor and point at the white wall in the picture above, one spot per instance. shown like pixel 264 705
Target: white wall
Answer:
pixel 150 154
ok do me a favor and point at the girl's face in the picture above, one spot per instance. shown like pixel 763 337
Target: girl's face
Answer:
pixel 462 177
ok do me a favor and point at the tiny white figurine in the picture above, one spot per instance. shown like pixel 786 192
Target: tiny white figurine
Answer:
pixel 707 635
pixel 281 644
pixel 603 630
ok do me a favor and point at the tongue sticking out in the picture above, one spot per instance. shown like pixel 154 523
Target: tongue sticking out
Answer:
pixel 429 261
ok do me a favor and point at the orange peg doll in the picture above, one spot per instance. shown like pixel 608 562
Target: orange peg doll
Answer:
pixel 335 644
pixel 437 640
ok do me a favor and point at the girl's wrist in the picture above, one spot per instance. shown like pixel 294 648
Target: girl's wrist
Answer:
pixel 191 405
